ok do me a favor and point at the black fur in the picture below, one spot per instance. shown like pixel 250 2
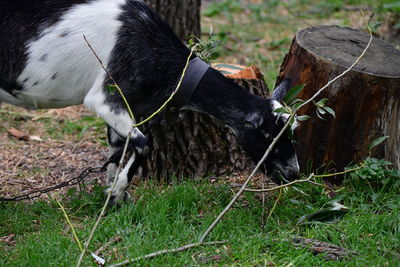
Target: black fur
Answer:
pixel 20 22
pixel 147 60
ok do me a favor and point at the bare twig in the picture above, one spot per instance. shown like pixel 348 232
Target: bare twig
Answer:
pixel 113 240
pixel 307 180
pixel 87 243
pixel 70 225
pixel 173 93
pixel 275 204
pixel 239 193
pixel 285 127
pixel 166 251
pixel 111 78
pixel 122 94
pixel 331 251
pixel 340 173
pixel 263 220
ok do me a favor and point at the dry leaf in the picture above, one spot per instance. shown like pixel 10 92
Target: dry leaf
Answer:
pixel 18 134
pixel 23 136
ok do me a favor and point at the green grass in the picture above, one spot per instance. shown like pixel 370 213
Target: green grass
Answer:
pixel 53 128
pixel 171 216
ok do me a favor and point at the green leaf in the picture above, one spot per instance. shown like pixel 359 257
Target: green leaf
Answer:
pixel 321 111
pixel 324 215
pixel 335 200
pixel 330 111
pixel 377 142
pixel 111 89
pixel 322 102
pixel 303 118
pixel 282 110
pixel 292 94
pixel 297 103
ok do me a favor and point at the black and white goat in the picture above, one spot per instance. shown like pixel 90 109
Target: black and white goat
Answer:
pixel 45 63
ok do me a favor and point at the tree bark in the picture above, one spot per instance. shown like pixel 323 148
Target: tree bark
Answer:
pixel 366 100
pixel 183 15
pixel 197 145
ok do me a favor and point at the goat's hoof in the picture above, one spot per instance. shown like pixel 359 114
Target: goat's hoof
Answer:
pixel 118 198
pixel 127 197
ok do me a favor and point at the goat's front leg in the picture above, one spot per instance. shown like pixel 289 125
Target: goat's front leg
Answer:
pixel 136 153
pixel 120 124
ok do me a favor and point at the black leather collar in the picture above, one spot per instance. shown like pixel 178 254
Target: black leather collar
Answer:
pixel 194 73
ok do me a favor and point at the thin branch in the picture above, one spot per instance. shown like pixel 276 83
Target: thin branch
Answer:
pixel 87 243
pixel 285 127
pixel 70 225
pixel 263 220
pixel 111 78
pixel 308 180
pixel 123 96
pixel 166 251
pixel 280 186
pixel 275 204
pixel 340 173
pixel 113 240
pixel 239 193
pixel 173 93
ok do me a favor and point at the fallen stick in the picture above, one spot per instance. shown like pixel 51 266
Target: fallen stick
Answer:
pixel 166 251
pixel 113 240
pixel 332 252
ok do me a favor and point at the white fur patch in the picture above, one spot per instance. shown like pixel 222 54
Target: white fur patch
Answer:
pixel 95 100
pixel 285 116
pixel 61 68
pixel 276 105
pixel 122 183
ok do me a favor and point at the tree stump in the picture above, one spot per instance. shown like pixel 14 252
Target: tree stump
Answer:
pixel 366 100
pixel 183 16
pixel 199 145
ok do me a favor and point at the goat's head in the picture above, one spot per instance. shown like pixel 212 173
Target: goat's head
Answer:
pixel 259 130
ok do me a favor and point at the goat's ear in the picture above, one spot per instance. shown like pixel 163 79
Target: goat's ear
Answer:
pixel 253 120
pixel 281 90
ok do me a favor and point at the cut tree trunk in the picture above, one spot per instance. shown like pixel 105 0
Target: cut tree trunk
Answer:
pixel 183 15
pixel 366 100
pixel 197 145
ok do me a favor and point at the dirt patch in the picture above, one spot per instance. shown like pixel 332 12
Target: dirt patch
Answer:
pixel 27 166
pixel 32 165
